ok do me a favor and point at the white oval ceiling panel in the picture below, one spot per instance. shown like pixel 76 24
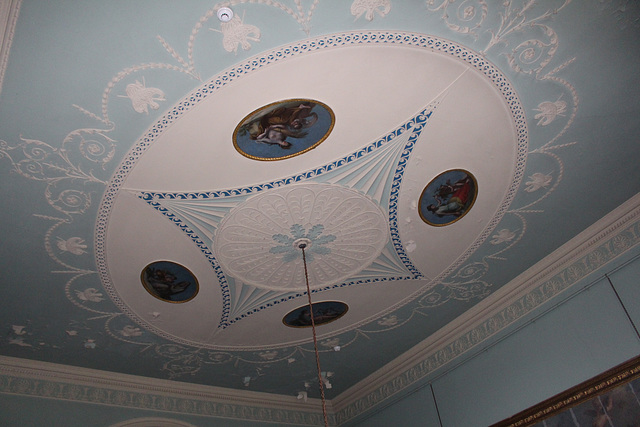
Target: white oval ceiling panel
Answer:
pixel 189 194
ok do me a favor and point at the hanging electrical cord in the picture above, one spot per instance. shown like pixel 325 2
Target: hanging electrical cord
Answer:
pixel 315 339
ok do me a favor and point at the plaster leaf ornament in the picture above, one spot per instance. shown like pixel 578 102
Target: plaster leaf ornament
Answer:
pixel 74 245
pixel 548 111
pixel 467 17
pixel 130 331
pixel 143 97
pixel 219 357
pixel 66 180
pixel 389 321
pixel 72 333
pixel 369 7
pixel 622 11
pixel 20 342
pixel 502 236
pixel 236 33
pixel 537 181
pixel 331 342
pixel 411 246
pixel 91 344
pixel 187 364
pixel 268 355
pixel 18 330
pixel 89 294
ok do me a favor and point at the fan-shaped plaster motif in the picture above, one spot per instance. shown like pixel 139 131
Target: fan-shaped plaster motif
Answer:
pixel 343 229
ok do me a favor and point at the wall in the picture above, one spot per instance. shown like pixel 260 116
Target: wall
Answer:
pixel 591 331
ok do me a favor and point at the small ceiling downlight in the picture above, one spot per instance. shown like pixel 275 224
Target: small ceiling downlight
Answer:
pixel 225 14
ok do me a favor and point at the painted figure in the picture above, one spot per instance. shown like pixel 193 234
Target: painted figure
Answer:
pixel 323 312
pixel 164 283
pixel 276 125
pixel 283 129
pixel 452 198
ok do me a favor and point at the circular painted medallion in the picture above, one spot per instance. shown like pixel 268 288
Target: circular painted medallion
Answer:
pixel 323 312
pixel 283 129
pixel 258 241
pixel 448 197
pixel 169 281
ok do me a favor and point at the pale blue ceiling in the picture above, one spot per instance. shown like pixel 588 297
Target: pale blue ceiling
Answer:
pixel 65 54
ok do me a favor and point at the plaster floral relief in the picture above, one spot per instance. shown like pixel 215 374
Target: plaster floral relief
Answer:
pixel 143 97
pixel 338 220
pixel 74 245
pixel 370 8
pixel 236 33
pixel 548 111
pixel 538 181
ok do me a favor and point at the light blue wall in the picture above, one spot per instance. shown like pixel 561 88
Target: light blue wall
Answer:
pixel 416 409
pixel 574 342
pixel 627 284
pixel 583 336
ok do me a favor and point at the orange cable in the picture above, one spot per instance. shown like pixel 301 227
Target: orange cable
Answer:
pixel 315 339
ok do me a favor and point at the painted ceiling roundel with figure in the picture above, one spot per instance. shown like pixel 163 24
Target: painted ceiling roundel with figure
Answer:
pixel 283 129
pixel 169 281
pixel 448 197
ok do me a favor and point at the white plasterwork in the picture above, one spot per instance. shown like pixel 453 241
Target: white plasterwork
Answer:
pixel 9 11
pixel 30 372
pixel 342 229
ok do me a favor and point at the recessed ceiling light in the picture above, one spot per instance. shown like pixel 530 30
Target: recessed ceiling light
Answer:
pixel 225 14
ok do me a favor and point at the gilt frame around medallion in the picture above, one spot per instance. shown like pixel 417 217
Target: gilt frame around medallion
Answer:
pixel 309 128
pixel 609 382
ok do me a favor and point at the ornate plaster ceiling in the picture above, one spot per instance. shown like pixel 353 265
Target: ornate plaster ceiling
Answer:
pixel 118 151
pixel 230 224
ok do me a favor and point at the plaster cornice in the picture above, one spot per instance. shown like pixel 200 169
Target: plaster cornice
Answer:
pixel 609 238
pixel 9 11
pixel 62 382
